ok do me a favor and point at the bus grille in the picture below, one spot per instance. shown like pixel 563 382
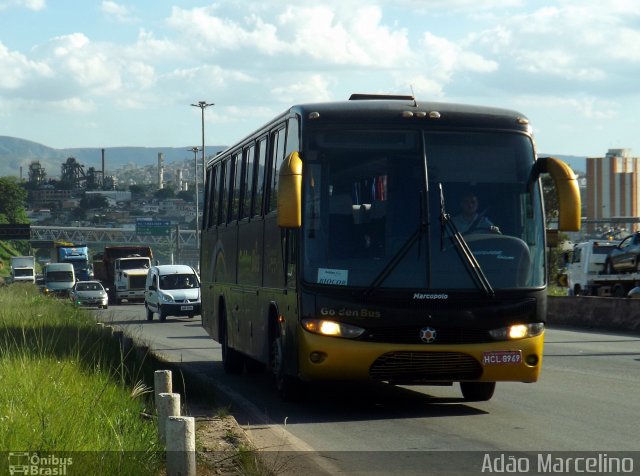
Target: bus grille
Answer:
pixel 425 367
pixel 411 335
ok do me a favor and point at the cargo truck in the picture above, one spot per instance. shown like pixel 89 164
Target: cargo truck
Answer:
pixel 78 256
pixel 23 269
pixel 123 271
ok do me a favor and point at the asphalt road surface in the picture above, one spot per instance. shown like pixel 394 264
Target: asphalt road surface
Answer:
pixel 585 405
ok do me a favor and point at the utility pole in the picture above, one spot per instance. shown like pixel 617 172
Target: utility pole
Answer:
pixel 202 105
pixel 195 177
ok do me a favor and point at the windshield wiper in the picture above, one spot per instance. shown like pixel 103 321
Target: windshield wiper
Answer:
pixel 471 264
pixel 401 253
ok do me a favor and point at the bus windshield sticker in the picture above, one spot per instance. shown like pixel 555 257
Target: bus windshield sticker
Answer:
pixel 333 276
pixel 502 357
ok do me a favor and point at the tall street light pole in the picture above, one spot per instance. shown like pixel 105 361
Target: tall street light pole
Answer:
pixel 203 105
pixel 195 151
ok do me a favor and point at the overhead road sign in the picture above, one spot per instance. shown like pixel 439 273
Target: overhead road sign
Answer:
pixel 15 231
pixel 153 227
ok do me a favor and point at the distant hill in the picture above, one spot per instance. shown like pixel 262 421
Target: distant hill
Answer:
pixel 16 153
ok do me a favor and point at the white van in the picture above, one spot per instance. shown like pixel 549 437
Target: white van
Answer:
pixel 59 278
pixel 172 290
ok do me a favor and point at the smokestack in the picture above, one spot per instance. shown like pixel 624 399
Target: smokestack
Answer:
pixel 102 150
pixel 160 170
pixel 179 183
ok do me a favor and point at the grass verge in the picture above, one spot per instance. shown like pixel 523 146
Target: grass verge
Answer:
pixel 68 393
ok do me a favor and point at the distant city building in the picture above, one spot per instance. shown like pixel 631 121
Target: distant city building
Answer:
pixel 111 195
pixel 45 196
pixel 613 191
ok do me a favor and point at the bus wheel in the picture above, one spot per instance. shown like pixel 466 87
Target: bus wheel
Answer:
pixel 290 389
pixel 232 360
pixel 477 391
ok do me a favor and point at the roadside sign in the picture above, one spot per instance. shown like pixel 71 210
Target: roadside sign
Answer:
pixel 15 231
pixel 153 227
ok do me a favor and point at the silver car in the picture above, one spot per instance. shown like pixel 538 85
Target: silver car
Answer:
pixel 90 294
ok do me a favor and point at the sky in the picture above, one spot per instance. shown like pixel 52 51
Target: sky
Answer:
pixel 125 73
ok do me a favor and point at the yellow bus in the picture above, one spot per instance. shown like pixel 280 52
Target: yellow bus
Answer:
pixel 334 246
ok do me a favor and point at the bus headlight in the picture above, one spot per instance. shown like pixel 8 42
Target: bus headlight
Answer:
pixel 518 331
pixel 332 328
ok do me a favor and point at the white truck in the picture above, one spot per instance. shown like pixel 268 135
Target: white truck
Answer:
pixel 123 271
pixel 23 269
pixel 586 267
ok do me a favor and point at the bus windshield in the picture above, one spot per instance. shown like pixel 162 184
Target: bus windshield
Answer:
pixel 374 215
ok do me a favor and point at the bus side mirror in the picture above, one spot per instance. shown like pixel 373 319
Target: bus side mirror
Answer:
pixel 290 192
pixel 566 182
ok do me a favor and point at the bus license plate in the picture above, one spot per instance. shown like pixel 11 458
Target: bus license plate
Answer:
pixel 502 357
pixel 186 308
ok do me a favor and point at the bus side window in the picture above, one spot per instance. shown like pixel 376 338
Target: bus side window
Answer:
pixel 224 191
pixel 247 181
pixel 206 223
pixel 277 155
pixel 241 183
pixel 259 177
pixel 214 200
pixel 234 208
pixel 293 140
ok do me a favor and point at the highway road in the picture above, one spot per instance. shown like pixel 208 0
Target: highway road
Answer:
pixel 587 400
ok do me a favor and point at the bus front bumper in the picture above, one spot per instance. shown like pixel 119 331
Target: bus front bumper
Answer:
pixel 332 358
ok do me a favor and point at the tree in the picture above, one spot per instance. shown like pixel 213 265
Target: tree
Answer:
pixel 13 199
pixel 94 201
pixel 186 195
pixel 139 191
pixel 164 193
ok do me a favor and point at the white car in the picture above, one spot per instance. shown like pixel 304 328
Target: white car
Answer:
pixel 90 294
pixel 172 290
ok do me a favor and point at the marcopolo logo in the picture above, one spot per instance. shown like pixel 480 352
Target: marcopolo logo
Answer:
pixel 430 296
pixel 36 464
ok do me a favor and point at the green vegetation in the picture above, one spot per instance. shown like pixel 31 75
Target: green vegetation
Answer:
pixel 67 389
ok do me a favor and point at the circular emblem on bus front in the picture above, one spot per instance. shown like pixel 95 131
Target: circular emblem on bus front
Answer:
pixel 427 335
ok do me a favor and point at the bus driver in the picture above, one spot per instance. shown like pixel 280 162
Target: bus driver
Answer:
pixel 469 220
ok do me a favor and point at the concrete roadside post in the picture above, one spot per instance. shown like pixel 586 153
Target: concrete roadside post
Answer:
pixel 181 446
pixel 168 406
pixel 161 383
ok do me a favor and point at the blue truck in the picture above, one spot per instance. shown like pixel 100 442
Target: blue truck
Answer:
pixel 78 256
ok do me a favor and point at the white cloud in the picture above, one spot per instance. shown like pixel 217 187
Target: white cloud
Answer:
pixel 314 88
pixel 16 69
pixel 34 5
pixel 443 58
pixel 116 11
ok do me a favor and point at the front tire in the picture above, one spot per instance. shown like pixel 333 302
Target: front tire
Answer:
pixel 162 315
pixel 149 313
pixel 477 391
pixel 290 389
